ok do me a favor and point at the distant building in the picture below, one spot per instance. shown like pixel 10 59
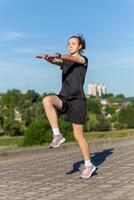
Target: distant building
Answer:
pixel 104 102
pixel 104 89
pixel 17 116
pixel 95 89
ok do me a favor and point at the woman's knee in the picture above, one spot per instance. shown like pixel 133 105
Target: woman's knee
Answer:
pixel 78 132
pixel 78 136
pixel 46 101
pixel 52 101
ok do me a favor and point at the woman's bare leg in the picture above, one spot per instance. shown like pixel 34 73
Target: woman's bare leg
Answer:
pixel 49 104
pixel 89 167
pixel 79 136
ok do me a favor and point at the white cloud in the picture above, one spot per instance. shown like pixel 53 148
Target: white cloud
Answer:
pixel 24 50
pixel 15 35
pixel 12 35
pixel 40 49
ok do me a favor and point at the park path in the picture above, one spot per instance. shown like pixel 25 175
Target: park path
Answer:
pixel 48 174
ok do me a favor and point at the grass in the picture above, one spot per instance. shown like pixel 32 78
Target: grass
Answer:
pixel 8 143
pixel 109 134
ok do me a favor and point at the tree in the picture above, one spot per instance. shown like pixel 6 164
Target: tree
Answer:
pixel 8 121
pixel 1 125
pixel 33 112
pixel 110 109
pixel 120 98
pixel 126 116
pixel 92 122
pixel 13 98
pixel 93 106
pixel 103 125
pixel 32 96
pixel 109 95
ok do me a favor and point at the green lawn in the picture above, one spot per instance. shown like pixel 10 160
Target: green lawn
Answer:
pixel 11 143
pixel 109 134
pixel 8 142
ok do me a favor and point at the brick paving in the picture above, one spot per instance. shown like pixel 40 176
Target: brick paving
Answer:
pixel 49 174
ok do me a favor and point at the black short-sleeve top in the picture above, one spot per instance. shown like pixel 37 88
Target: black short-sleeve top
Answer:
pixel 73 78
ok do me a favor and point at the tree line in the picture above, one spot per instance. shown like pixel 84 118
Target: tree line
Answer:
pixel 20 112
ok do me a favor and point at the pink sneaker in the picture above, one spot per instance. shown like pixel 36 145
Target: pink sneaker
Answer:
pixel 57 141
pixel 88 171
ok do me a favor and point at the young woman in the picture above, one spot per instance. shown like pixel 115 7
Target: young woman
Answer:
pixel 71 100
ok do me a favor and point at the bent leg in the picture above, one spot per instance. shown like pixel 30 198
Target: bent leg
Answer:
pixel 50 103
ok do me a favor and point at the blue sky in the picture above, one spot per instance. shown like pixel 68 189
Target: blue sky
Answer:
pixel 31 27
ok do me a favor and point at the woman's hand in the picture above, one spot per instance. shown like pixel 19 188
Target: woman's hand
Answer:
pixel 42 56
pixel 47 57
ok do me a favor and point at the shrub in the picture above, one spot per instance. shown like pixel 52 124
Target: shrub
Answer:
pixel 92 121
pixel 38 132
pixel 103 125
pixel 16 129
pixel 66 129
pixel 126 116
pixel 118 125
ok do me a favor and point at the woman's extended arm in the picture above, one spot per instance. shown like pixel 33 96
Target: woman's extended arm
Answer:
pixel 67 57
pixel 52 60
pixel 58 59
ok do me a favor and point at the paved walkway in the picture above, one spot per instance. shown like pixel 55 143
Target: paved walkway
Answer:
pixel 48 174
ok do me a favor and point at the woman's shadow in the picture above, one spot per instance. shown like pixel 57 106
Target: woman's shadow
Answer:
pixel 96 158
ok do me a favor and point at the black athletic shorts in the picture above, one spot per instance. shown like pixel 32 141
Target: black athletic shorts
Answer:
pixel 73 110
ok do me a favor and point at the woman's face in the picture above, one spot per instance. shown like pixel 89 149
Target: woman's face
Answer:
pixel 73 46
